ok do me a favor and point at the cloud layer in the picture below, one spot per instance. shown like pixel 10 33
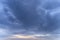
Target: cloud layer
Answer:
pixel 29 17
pixel 35 15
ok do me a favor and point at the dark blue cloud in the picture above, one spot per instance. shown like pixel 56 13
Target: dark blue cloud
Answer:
pixel 24 16
pixel 26 12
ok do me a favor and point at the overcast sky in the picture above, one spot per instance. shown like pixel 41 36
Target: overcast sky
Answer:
pixel 29 20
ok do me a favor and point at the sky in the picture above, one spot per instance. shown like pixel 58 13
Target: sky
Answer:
pixel 29 19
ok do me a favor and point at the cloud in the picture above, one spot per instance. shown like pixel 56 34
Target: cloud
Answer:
pixel 30 17
pixel 32 37
pixel 24 37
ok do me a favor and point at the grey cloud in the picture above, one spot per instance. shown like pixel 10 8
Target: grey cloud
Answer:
pixel 51 4
pixel 25 16
pixel 26 12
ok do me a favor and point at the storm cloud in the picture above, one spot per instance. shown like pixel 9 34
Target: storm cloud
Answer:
pixel 35 15
pixel 29 20
pixel 29 17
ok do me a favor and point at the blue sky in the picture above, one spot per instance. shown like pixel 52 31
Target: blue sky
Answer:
pixel 29 20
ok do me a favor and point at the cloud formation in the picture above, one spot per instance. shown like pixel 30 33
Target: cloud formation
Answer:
pixel 32 18
pixel 29 17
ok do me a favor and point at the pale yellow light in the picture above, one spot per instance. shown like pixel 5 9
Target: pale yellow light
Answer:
pixel 20 36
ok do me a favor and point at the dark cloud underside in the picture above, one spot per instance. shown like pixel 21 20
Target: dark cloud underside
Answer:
pixel 32 19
